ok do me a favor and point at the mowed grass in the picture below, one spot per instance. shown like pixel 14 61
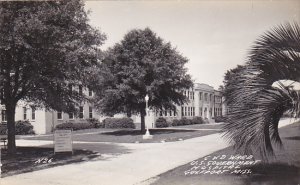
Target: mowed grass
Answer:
pixel 136 136
pixel 283 169
pixel 28 159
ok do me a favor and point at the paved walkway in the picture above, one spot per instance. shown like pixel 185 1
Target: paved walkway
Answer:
pixel 145 161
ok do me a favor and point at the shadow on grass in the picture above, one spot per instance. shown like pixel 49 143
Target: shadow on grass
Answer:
pixel 273 174
pixel 293 138
pixel 139 132
pixel 28 159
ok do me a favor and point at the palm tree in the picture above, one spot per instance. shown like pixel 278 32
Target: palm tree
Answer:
pixel 256 105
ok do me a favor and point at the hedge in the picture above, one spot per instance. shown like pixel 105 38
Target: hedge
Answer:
pixel 220 119
pixel 22 128
pixel 161 123
pixel 185 121
pixel 75 126
pixel 117 123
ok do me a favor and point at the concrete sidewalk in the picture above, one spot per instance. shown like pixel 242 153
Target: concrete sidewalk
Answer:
pixel 145 161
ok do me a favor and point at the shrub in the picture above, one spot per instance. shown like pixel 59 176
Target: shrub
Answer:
pixel 75 126
pixel 94 122
pixel 24 128
pixel 118 123
pixel 161 122
pixel 3 129
pixel 197 120
pixel 185 121
pixel 220 119
pixel 175 122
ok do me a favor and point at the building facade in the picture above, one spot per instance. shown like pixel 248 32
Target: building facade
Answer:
pixel 203 101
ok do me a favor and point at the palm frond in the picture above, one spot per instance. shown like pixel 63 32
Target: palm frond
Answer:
pixel 256 106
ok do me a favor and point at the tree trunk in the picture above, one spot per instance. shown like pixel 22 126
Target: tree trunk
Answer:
pixel 11 135
pixel 143 128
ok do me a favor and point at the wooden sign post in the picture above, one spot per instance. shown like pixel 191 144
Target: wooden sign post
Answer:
pixel 63 141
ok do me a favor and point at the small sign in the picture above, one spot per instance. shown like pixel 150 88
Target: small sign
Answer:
pixel 63 141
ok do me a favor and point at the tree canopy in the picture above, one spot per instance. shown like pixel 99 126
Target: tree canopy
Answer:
pixel 256 105
pixel 141 64
pixel 46 46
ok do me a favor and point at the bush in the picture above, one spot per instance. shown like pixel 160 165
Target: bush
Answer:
pixel 161 123
pixel 3 129
pixel 118 123
pixel 197 120
pixel 175 122
pixel 75 126
pixel 94 122
pixel 24 128
pixel 185 121
pixel 220 119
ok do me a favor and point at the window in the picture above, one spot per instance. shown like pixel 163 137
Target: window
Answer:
pixel 188 94
pixel 170 113
pixel 185 111
pixel 160 113
pixel 200 95
pixel 71 115
pixel 3 115
pixel 90 112
pixel 200 110
pixel 80 89
pixel 59 115
pixel 189 111
pixel 193 95
pixel 24 113
pixel 166 113
pixel 182 111
pixel 90 92
pixel 193 111
pixel 33 113
pixel 81 112
pixel 210 98
pixel 205 97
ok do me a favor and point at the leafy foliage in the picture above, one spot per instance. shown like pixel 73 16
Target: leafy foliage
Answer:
pixel 75 125
pixel 161 123
pixel 118 123
pixel 256 105
pixel 22 128
pixel 45 46
pixel 142 63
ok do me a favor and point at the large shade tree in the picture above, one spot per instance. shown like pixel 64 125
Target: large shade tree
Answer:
pixel 141 64
pixel 44 48
pixel 256 103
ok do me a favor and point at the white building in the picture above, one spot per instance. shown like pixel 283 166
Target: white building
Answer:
pixel 204 102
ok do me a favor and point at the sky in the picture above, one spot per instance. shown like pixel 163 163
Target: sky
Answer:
pixel 214 35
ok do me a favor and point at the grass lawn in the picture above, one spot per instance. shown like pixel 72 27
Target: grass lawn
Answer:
pixel 30 159
pixel 282 170
pixel 133 135
pixel 27 157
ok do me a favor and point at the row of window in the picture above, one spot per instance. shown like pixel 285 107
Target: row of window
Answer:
pixel 166 113
pixel 80 115
pixel 218 111
pixel 187 111
pixel 189 94
pixel 80 90
pixel 59 114
pixel 207 97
